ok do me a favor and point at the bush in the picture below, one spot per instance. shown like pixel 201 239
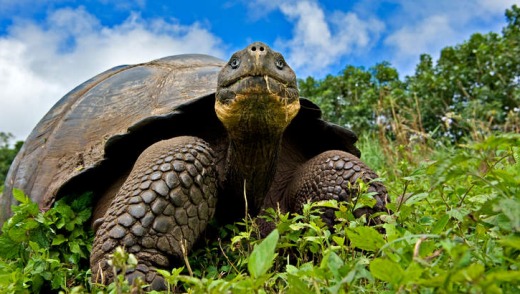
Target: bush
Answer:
pixel 45 251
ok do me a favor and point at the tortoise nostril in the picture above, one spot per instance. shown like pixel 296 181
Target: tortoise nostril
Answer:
pixel 258 48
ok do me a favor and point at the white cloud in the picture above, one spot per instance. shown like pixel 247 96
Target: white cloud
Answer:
pixel 369 31
pixel 419 27
pixel 321 39
pixel 495 6
pixel 428 36
pixel 260 8
pixel 460 12
pixel 41 62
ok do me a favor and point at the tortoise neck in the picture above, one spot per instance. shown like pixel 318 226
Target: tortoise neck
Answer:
pixel 251 166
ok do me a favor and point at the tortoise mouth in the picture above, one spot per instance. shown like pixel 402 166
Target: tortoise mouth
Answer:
pixel 256 85
pixel 254 74
pixel 256 106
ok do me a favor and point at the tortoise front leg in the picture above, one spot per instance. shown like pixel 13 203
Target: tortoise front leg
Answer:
pixel 333 175
pixel 165 204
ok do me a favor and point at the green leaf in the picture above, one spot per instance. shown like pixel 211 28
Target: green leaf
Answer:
pixel 458 214
pixel 58 280
pixel 504 276
pixel 297 286
pixel 391 232
pixel 74 247
pixel 338 240
pixel 166 274
pixel 510 241
pixel 31 224
pixel 263 255
pixel 58 239
pixel 18 234
pixel 365 200
pixel 405 211
pixel 511 208
pixel 386 270
pixel 82 203
pixel 440 224
pixel 39 235
pixel 20 196
pixel 470 273
pixel 416 198
pixel 366 238
pixel 412 273
pixel 334 263
pixel 8 248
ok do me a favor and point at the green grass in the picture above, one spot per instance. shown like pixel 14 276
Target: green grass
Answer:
pixel 455 228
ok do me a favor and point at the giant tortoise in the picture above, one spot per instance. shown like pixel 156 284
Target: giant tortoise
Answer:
pixel 168 145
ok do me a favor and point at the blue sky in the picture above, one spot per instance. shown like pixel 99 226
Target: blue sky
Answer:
pixel 49 47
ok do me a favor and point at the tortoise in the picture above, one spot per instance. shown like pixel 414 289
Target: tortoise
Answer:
pixel 168 145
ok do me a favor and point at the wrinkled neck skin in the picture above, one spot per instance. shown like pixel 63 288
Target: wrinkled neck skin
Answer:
pixel 251 164
pixel 255 137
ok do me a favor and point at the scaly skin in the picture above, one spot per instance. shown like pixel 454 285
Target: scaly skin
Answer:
pixel 165 204
pixel 332 175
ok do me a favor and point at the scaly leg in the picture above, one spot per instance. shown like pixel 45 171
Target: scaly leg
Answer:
pixel 165 204
pixel 333 175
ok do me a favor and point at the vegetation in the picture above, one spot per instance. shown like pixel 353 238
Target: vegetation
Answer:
pixel 446 143
pixel 7 154
pixel 455 227
pixel 473 88
pixel 43 251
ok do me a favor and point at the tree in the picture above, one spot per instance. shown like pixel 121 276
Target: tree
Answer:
pixel 473 89
pixel 7 154
pixel 352 98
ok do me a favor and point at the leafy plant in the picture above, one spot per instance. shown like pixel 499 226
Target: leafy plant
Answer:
pixel 45 251
pixel 454 227
pixel 7 154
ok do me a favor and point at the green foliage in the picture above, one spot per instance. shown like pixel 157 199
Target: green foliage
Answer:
pixel 458 210
pixel 351 99
pixel 473 89
pixel 261 259
pixel 7 154
pixel 121 261
pixel 44 251
pixel 454 227
pixel 474 86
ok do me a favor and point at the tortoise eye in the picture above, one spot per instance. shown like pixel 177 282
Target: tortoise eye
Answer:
pixel 280 63
pixel 234 62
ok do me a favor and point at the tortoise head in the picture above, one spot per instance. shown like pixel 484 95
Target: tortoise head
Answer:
pixel 256 93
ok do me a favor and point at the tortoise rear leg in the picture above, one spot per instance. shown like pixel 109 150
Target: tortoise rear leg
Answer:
pixel 333 175
pixel 165 203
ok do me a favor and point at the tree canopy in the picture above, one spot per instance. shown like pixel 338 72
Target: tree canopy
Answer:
pixel 7 154
pixel 472 89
